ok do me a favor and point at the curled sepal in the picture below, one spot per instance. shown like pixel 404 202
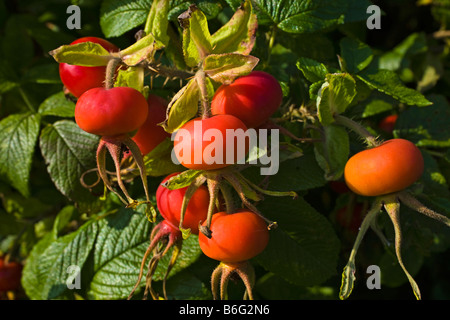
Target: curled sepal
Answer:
pixel 348 275
pixel 416 205
pixel 392 207
pixel 222 274
pixel 115 145
pixel 162 238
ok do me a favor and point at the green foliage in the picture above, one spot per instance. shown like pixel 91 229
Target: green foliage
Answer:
pixel 55 214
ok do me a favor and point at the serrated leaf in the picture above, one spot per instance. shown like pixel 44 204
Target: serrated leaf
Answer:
pixel 57 105
pixel 68 152
pixel 355 54
pixel 332 153
pixel 197 42
pixel 335 95
pixel 238 34
pixel 121 243
pixel 18 135
pixel 313 70
pixel 389 83
pixel 45 274
pixel 304 242
pixel 225 68
pixel 182 107
pixel 87 54
pixel 119 16
pixel 301 16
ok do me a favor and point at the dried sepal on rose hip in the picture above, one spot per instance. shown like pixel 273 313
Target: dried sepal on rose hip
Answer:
pixel 167 234
pixel 114 114
pixel 385 172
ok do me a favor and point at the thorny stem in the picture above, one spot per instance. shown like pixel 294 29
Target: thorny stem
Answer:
pixel 169 72
pixel 200 77
pixel 110 72
pixel 359 129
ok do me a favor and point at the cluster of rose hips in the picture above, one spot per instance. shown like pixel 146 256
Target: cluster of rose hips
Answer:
pixel 121 116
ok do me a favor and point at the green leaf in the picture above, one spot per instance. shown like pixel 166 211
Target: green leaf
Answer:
pixel 388 82
pixel 16 43
pixel 376 106
pixel 18 135
pixel 157 21
pixel 182 107
pixel 8 77
pixel 197 41
pixel 301 16
pixel 297 174
pixel 68 152
pixel 83 54
pixel 335 96
pixel 119 16
pixel 312 70
pixel 141 50
pixel 426 127
pixel 332 153
pixel 415 43
pixel 132 77
pixel 182 180
pixel 304 242
pixel 158 162
pixel 225 68
pixel 43 74
pixel 120 246
pixel 238 34
pixel 46 271
pixel 57 105
pixel 355 54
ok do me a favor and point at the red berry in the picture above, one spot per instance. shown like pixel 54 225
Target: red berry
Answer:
pixel 79 79
pixel 252 98
pixel 150 134
pixel 236 237
pixel 10 275
pixel 169 204
pixel 111 112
